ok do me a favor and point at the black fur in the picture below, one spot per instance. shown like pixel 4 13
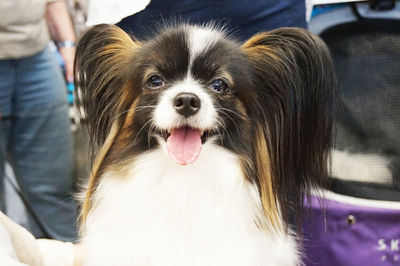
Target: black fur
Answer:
pixel 296 90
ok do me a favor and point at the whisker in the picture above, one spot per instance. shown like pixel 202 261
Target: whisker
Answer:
pixel 233 121
pixel 233 112
pixel 223 127
pixel 152 130
pixel 226 132
pixel 132 109
pixel 141 130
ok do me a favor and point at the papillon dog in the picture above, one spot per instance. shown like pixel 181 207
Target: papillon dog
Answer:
pixel 203 146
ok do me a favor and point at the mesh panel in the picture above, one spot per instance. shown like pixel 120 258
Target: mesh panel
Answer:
pixel 366 55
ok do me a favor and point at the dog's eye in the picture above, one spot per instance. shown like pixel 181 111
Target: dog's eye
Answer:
pixel 155 82
pixel 219 86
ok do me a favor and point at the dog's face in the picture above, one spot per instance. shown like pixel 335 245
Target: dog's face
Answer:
pixel 269 101
pixel 192 87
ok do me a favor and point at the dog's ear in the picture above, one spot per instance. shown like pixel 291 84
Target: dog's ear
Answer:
pixel 101 70
pixel 102 66
pixel 295 81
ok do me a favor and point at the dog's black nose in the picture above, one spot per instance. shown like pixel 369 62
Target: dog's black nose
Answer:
pixel 186 104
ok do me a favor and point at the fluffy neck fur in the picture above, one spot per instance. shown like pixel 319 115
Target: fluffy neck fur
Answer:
pixel 156 212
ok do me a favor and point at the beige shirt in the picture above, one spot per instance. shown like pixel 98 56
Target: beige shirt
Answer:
pixel 23 28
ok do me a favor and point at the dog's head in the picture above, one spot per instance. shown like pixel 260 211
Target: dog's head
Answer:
pixel 270 101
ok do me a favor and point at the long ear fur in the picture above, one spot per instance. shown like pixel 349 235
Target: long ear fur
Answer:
pixel 101 74
pixel 295 83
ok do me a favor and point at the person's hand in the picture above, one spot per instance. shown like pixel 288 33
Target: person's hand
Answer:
pixel 68 54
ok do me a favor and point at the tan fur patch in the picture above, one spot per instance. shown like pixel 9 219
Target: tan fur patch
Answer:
pixel 258 51
pixel 94 177
pixel 241 108
pixel 264 175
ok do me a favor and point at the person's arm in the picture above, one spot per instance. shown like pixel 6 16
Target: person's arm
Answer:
pixel 61 29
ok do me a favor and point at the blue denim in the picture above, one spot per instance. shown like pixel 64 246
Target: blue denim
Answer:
pixel 243 18
pixel 37 140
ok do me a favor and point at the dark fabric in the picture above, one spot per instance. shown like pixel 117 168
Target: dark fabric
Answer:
pixel 365 190
pixel 244 18
pixel 366 55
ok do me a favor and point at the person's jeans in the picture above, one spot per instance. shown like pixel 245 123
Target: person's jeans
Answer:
pixel 37 140
pixel 242 18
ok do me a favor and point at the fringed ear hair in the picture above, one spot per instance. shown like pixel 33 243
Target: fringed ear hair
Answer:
pixel 101 74
pixel 295 82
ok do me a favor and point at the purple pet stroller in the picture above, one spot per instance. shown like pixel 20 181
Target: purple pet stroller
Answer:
pixel 360 222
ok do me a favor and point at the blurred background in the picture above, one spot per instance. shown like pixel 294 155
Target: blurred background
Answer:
pixel 361 225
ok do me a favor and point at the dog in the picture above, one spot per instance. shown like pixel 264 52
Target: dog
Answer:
pixel 203 146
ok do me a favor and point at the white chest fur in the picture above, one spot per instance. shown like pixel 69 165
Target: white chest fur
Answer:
pixel 164 214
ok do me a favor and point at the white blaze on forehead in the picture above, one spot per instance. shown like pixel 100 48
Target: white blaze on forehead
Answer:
pixel 201 38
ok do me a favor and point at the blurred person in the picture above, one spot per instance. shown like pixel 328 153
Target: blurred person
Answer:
pixel 243 18
pixel 34 129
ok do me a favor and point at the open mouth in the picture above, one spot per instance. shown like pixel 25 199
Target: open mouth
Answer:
pixel 205 134
pixel 184 143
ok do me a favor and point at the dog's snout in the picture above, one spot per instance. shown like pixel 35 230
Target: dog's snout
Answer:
pixel 186 104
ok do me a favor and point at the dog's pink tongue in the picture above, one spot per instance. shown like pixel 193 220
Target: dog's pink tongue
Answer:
pixel 184 145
